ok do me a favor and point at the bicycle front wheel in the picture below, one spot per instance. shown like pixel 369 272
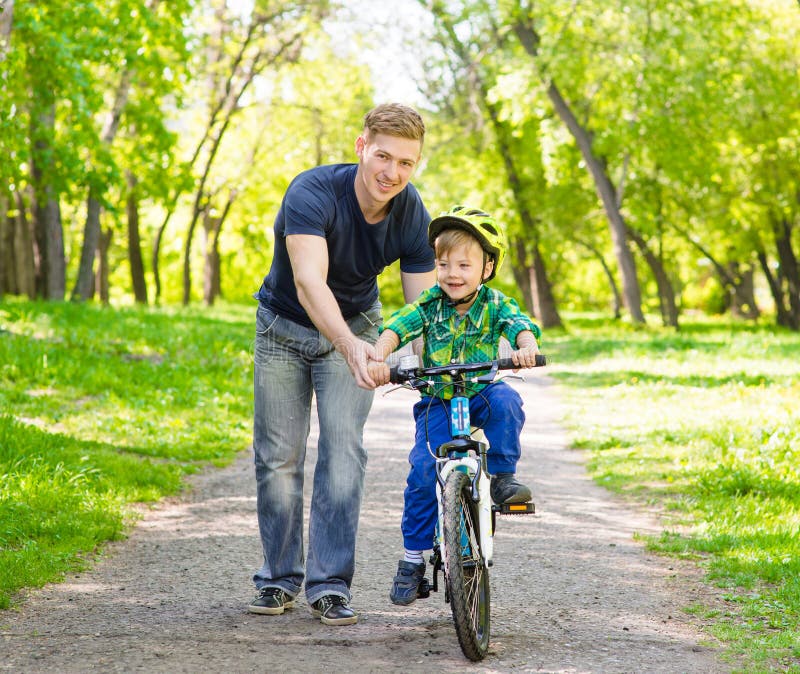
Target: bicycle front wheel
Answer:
pixel 467 575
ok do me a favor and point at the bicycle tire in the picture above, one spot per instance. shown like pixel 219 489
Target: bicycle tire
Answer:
pixel 467 576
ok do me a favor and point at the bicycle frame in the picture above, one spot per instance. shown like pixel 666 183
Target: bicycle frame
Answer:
pixel 468 454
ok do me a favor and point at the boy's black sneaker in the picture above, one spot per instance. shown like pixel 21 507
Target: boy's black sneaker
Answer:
pixel 333 609
pixel 271 601
pixel 506 489
pixel 409 583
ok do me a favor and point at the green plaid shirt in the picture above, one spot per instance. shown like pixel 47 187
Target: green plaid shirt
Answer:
pixel 473 338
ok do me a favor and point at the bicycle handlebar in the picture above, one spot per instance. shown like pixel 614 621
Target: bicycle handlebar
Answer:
pixel 399 375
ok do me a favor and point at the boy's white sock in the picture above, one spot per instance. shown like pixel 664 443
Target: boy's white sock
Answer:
pixel 413 556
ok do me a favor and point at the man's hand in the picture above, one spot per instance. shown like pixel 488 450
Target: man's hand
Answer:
pixel 358 353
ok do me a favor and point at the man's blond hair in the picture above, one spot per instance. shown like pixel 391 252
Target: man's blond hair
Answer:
pixel 395 119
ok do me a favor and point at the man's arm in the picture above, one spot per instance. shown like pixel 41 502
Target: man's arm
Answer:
pixel 309 257
pixel 415 283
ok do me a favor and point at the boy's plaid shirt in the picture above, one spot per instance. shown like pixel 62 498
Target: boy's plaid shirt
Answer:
pixel 447 336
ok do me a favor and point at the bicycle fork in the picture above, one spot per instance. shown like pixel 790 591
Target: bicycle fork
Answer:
pixel 466 454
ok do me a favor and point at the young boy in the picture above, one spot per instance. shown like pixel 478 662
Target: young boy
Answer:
pixel 459 318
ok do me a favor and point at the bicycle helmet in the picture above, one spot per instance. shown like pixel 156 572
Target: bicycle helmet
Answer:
pixel 478 223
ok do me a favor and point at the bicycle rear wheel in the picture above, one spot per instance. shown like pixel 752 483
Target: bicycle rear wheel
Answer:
pixel 467 575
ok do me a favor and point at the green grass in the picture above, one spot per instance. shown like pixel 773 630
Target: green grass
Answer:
pixel 103 408
pixel 703 423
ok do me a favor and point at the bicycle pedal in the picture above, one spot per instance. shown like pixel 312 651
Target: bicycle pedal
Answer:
pixel 515 508
pixel 424 589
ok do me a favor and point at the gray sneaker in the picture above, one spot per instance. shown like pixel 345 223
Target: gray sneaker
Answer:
pixel 271 601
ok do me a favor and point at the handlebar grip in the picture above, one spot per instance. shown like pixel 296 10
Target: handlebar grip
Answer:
pixel 508 364
pixel 393 378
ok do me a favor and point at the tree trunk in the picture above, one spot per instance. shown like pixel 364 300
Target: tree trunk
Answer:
pixel 529 39
pixel 91 230
pixel 83 289
pixel 788 264
pixel 24 252
pixel 212 278
pixel 46 209
pixel 7 280
pixel 157 252
pixel 542 291
pixel 7 275
pixel 743 302
pixel 134 242
pixel 100 284
pixel 211 271
pixel 783 315
pixel 666 293
pixel 521 272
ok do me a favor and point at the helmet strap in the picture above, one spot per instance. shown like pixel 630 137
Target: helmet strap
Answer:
pixel 467 298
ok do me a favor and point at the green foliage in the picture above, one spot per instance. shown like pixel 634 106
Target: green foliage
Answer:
pixel 702 423
pixel 100 409
pixel 692 108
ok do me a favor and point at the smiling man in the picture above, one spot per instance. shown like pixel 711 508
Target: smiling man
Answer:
pixel 338 227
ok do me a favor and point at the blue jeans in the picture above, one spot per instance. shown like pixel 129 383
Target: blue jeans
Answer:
pixel 292 363
pixel 498 409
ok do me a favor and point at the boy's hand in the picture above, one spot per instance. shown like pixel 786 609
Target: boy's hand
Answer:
pixel 378 372
pixel 525 357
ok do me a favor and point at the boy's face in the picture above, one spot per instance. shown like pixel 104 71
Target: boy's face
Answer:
pixel 461 269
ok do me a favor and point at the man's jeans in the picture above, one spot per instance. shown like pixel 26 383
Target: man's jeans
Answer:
pixel 292 362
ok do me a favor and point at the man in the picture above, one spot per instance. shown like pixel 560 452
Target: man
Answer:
pixel 317 321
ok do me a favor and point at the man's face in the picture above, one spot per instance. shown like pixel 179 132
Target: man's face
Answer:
pixel 386 164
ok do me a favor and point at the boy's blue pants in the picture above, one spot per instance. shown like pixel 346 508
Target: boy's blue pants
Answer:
pixel 498 410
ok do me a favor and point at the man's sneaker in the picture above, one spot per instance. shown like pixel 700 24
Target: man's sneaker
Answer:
pixel 332 609
pixel 271 601
pixel 409 583
pixel 506 489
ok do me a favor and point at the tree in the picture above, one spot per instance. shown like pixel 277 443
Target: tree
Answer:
pixel 150 46
pixel 268 39
pixel 523 25
pixel 478 75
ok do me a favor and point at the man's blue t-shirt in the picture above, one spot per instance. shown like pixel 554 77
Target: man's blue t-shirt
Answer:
pixel 322 201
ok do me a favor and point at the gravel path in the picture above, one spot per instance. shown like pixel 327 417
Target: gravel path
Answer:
pixel 571 590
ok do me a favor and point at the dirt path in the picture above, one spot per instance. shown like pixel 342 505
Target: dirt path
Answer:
pixel 572 591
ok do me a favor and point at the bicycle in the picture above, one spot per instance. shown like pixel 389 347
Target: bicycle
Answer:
pixel 464 546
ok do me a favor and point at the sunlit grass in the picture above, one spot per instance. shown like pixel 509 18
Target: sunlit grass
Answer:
pixel 705 424
pixel 101 408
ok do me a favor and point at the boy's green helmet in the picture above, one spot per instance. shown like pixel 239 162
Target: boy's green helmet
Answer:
pixel 478 223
